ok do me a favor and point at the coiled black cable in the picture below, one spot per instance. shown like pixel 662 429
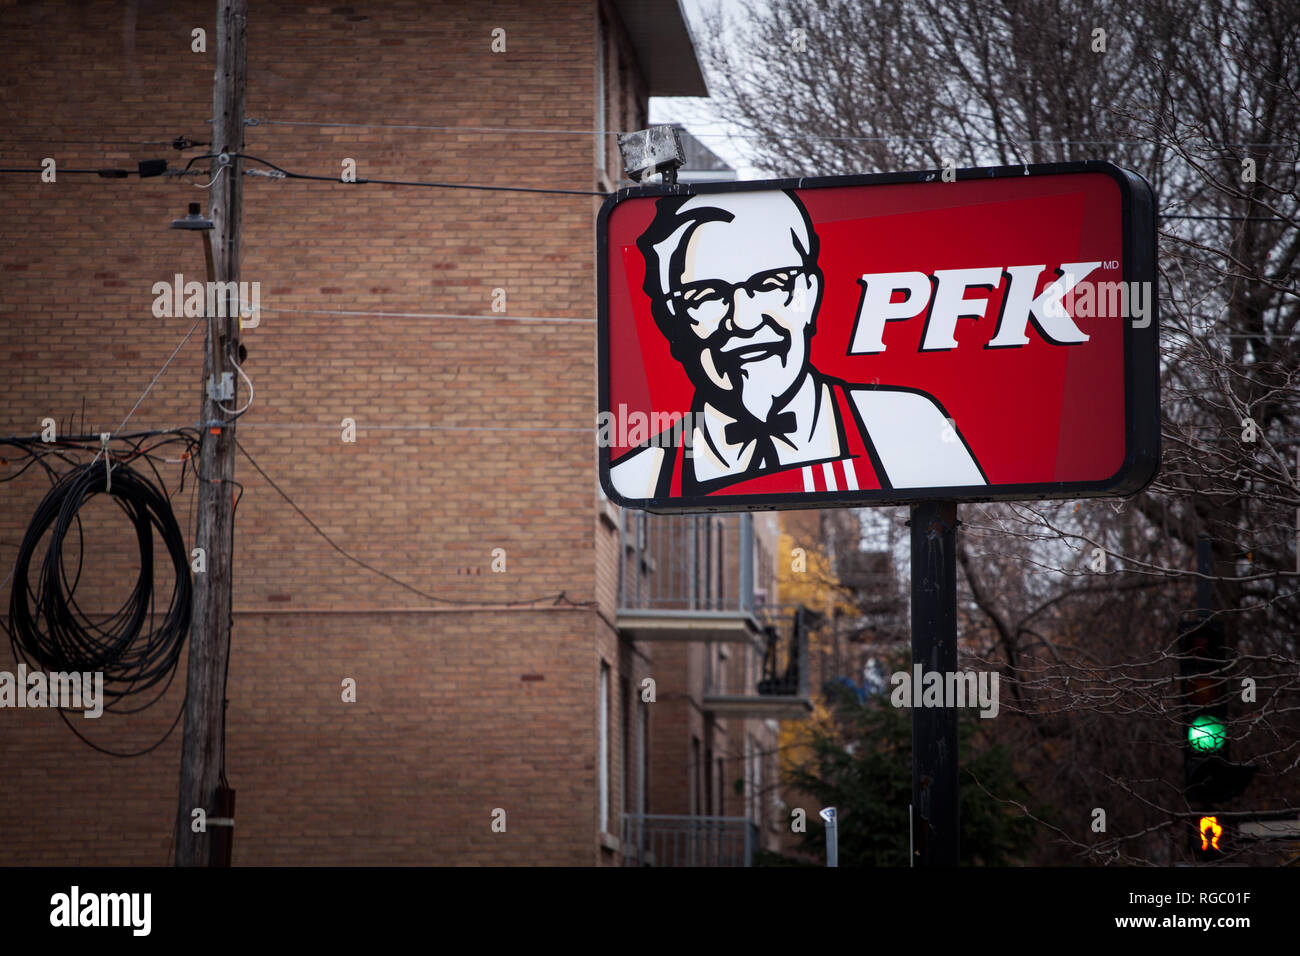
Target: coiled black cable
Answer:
pixel 47 628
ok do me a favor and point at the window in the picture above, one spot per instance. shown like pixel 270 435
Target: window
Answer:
pixel 643 756
pixel 723 570
pixel 753 780
pixel 709 786
pixel 624 93
pixel 748 770
pixel 602 759
pixel 722 789
pixel 625 723
pixel 693 772
pixel 602 40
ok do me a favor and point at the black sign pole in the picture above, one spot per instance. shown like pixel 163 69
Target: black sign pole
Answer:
pixel 934 650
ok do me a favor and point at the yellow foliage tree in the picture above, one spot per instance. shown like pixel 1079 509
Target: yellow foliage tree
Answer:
pixel 804 577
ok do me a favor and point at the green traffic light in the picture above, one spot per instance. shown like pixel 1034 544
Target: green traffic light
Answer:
pixel 1206 733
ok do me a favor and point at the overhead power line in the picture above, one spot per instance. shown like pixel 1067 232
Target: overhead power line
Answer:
pixel 278 172
pixel 106 173
pixel 433 315
pixel 176 142
pixel 361 181
pixel 560 598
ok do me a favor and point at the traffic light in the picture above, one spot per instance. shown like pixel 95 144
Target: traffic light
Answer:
pixel 1207 845
pixel 1206 733
pixel 1211 777
pixel 1210 833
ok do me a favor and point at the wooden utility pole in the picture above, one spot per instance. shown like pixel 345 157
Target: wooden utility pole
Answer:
pixel 202 751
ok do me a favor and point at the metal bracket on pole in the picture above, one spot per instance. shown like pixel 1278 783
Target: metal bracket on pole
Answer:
pixel 224 391
pixel 108 465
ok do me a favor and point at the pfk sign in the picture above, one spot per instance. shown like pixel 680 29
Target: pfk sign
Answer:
pixel 860 340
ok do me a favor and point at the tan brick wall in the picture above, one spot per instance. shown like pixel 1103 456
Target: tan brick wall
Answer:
pixel 445 727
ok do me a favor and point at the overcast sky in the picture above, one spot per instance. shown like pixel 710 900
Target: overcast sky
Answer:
pixel 697 114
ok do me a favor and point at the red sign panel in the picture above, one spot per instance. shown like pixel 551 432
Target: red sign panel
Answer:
pixel 863 340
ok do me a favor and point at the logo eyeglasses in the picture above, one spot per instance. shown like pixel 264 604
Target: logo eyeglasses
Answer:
pixel 709 300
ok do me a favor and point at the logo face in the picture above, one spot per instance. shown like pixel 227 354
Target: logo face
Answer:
pixel 867 340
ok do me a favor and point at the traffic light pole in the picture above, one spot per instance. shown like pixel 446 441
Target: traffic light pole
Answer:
pixel 934 647
pixel 1211 779
pixel 1204 843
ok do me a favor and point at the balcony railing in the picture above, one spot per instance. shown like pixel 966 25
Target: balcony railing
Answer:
pixel 686 577
pixel 667 840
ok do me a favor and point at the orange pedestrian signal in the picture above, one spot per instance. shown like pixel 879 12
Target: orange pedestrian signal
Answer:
pixel 1210 833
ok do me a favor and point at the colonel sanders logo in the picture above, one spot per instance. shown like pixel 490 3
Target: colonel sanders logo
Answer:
pixel 735 288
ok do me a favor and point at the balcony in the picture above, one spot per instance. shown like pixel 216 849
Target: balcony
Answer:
pixel 686 577
pixel 780 688
pixel 873 579
pixel 666 840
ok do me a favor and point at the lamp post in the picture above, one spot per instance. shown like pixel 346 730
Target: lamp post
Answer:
pixel 832 836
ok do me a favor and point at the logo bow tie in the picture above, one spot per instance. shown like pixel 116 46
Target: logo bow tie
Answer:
pixel 738 433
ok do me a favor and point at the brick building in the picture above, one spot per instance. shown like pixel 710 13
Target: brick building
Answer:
pixel 457 330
